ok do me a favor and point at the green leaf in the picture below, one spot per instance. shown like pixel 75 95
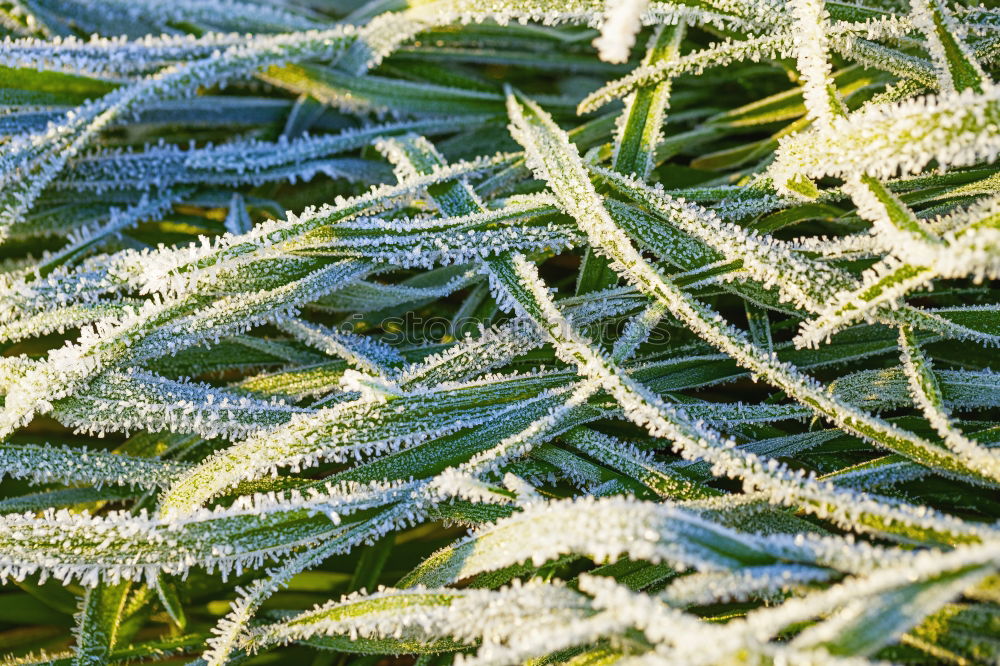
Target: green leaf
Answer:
pixel 98 622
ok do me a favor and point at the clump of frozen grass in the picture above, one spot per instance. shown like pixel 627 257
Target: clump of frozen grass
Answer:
pixel 686 311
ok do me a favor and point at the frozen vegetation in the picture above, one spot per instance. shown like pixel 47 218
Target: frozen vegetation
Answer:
pixel 499 332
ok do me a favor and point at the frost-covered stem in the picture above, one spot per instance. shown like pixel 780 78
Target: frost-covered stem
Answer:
pixel 823 105
pixel 537 433
pixel 637 331
pixel 636 464
pixel 98 622
pixel 364 353
pixel 811 33
pixel 230 630
pixel 924 566
pixel 641 123
pixel 956 66
pixel 639 130
pixel 927 395
pixel 968 249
